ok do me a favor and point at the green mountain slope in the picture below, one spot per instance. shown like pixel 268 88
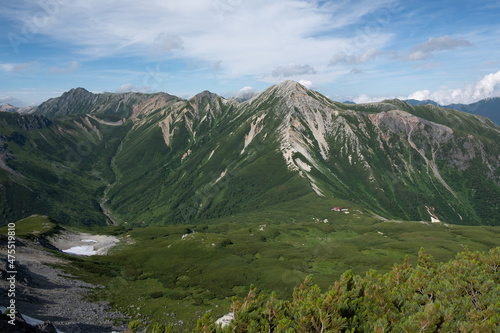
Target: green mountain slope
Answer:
pixel 158 159
pixel 55 167
pixel 219 158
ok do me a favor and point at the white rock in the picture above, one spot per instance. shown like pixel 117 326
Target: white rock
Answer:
pixel 225 320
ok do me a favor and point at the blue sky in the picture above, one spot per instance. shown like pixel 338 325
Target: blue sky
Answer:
pixel 365 50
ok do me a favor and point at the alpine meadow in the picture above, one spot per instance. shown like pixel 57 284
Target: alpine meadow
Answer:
pixel 291 211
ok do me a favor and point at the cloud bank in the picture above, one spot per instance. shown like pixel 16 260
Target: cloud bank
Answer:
pixel 488 86
pixel 293 70
pixel 355 59
pixel 260 38
pixel 12 101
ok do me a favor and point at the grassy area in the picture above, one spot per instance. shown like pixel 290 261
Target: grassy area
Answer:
pixel 35 225
pixel 174 274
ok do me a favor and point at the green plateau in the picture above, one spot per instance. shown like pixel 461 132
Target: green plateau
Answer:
pixel 174 276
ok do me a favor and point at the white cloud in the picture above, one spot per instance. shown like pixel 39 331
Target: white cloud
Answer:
pixel 11 100
pixel 16 68
pixel 355 59
pixel 246 90
pixel 428 65
pixel 128 87
pixel 244 93
pixel 364 98
pixel 293 70
pixel 419 52
pixel 444 43
pixel 72 67
pixel 167 43
pixel 306 83
pixel 488 86
pixel 246 37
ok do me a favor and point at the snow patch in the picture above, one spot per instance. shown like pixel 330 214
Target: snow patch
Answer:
pixel 84 250
pixel 434 218
pixel 83 244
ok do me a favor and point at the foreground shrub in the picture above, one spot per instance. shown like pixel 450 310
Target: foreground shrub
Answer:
pixel 462 295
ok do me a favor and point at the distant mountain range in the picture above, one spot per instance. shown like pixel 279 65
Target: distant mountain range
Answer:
pixel 11 108
pixel 91 159
pixel 424 102
pixel 489 107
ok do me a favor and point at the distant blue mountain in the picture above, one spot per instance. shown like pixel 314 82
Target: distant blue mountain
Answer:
pixel 417 102
pixel 489 107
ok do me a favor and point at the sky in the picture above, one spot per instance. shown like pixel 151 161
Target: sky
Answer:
pixel 362 51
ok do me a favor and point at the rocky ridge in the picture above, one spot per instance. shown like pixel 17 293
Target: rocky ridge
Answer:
pixel 392 157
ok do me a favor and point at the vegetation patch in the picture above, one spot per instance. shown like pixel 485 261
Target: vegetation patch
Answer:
pixel 176 274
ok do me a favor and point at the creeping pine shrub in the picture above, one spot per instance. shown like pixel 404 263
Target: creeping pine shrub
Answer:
pixel 134 326
pixel 160 328
pixel 155 294
pixel 462 295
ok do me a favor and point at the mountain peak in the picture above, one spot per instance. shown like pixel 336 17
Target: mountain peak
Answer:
pixel 78 89
pixel 7 107
pixel 77 93
pixel 285 89
pixel 290 85
pixel 204 94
